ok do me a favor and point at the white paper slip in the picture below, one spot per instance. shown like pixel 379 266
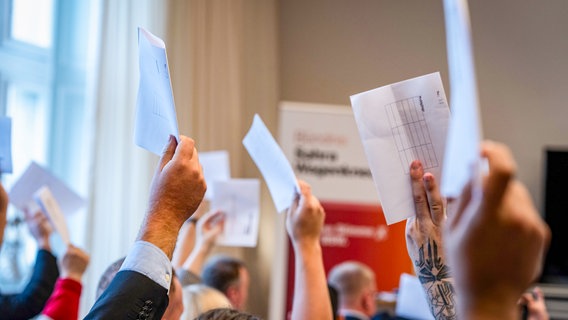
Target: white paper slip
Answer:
pixel 156 116
pixel 272 163
pixel 215 168
pixel 412 302
pixel 461 161
pixel 35 177
pixel 5 145
pixel 49 206
pixel 239 200
pixel 400 123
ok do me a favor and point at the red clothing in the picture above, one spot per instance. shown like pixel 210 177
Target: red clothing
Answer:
pixel 63 304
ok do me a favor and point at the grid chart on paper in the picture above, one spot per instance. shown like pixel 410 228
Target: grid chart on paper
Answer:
pixel 410 133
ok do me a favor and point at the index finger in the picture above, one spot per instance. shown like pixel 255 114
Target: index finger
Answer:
pixel 418 191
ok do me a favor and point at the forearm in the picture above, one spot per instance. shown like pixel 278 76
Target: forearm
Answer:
pixel 161 232
pixel 436 280
pixel 196 259
pixel 311 297
pixel 64 302
pixel 185 245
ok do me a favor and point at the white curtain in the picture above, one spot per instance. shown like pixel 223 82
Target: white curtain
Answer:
pixel 224 67
pixel 121 172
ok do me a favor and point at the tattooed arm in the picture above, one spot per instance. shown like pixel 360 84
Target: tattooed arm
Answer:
pixel 425 246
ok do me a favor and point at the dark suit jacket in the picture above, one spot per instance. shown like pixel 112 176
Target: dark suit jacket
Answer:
pixel 31 301
pixel 131 295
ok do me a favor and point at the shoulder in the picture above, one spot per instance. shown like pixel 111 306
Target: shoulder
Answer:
pixel 131 294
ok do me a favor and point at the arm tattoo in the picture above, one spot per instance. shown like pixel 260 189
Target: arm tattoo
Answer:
pixel 435 277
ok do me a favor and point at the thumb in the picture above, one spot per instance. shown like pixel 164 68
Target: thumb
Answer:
pixel 168 152
pixel 501 171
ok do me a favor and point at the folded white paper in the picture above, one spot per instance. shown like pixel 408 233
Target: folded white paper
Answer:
pixel 239 200
pixel 272 163
pixel 400 123
pixel 411 301
pixel 462 159
pixel 35 177
pixel 5 145
pixel 215 168
pixel 156 116
pixel 49 206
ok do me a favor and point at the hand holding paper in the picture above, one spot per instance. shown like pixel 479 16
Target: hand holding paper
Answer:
pixel 156 116
pixel 399 123
pixel 272 163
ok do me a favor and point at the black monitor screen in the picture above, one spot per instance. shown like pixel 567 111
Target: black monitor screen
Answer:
pixel 556 215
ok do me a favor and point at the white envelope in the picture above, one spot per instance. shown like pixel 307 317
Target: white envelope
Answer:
pixel 156 117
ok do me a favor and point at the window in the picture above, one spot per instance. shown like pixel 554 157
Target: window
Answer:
pixel 43 65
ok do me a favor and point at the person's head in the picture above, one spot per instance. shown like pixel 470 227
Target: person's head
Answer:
pixel 226 314
pixel 108 275
pixel 175 305
pixel 355 284
pixel 230 276
pixel 199 298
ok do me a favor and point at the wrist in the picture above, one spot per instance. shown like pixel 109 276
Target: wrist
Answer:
pixel 43 243
pixel 488 308
pixel 161 232
pixel 77 276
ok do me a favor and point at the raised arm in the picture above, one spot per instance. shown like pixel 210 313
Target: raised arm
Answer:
pixel 425 245
pixel 3 212
pixel 496 245
pixel 304 224
pixel 63 304
pixel 140 287
pixel 208 228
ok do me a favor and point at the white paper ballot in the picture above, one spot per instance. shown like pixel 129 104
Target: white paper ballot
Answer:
pixel 22 192
pixel 156 116
pixel 272 163
pixel 215 168
pixel 400 123
pixel 461 161
pixel 239 199
pixel 5 145
pixel 49 206
pixel 412 302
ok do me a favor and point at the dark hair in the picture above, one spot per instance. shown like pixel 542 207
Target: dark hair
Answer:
pixel 226 314
pixel 220 272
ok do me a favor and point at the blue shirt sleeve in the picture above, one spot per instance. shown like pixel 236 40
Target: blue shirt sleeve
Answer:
pixel 149 260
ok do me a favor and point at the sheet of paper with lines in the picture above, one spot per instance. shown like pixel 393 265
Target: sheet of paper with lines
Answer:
pixel 399 123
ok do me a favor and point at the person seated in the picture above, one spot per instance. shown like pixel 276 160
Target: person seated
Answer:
pixel 199 298
pixel 356 287
pixel 495 241
pixel 207 228
pixel 63 304
pixel 230 276
pixel 31 301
